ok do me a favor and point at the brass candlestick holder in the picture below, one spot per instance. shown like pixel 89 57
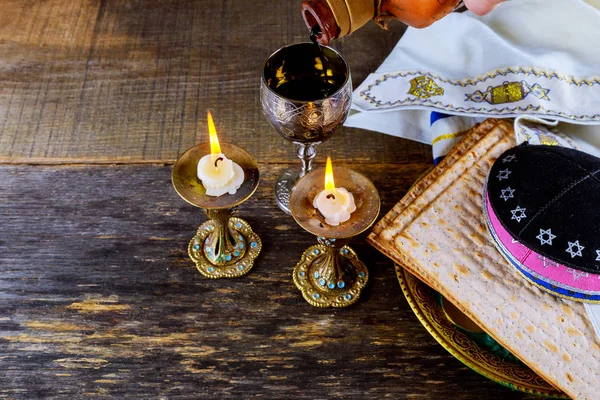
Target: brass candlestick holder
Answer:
pixel 330 274
pixel 224 246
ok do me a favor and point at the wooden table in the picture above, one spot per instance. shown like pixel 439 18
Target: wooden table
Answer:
pixel 98 298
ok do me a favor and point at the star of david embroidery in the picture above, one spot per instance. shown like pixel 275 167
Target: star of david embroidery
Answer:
pixel 549 239
pixel 507 193
pixel 598 258
pixel 518 213
pixel 509 158
pixel 540 92
pixel 577 274
pixel 572 252
pixel 503 174
pixel 546 262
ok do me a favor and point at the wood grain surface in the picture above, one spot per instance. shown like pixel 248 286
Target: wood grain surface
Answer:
pixel 99 299
pixel 130 81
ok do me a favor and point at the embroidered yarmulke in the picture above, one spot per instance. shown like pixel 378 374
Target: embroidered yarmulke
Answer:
pixel 544 273
pixel 547 198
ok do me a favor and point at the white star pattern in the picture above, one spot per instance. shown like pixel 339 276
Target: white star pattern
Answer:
pixel 503 174
pixel 546 262
pixel 507 193
pixel 598 258
pixel 546 232
pixel 577 274
pixel 509 158
pixel 521 213
pixel 572 252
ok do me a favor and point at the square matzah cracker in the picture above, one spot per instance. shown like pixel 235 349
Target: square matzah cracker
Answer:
pixel 437 231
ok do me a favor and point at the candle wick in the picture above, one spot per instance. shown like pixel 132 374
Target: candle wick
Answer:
pixel 217 160
pixel 331 196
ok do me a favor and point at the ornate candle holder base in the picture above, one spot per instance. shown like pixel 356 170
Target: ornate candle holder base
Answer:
pixel 224 246
pixel 224 253
pixel 329 276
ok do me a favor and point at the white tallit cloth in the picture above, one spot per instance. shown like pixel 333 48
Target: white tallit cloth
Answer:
pixel 552 43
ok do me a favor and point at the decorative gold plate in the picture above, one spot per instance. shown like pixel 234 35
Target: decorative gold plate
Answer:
pixel 493 362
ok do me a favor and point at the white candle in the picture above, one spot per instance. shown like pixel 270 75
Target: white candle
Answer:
pixel 335 204
pixel 219 175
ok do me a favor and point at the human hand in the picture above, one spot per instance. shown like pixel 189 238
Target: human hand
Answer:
pixel 481 7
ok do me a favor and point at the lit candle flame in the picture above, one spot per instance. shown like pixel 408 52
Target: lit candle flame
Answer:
pixel 215 148
pixel 329 184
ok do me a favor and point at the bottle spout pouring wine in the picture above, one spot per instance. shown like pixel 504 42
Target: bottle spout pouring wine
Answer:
pixel 332 19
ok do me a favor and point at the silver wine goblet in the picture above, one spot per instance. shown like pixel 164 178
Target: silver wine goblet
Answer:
pixel 305 94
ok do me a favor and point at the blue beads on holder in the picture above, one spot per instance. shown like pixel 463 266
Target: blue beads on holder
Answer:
pixel 316 295
pixel 236 253
pixel 341 284
pixel 211 269
pixel 361 274
pixel 316 251
pixel 240 267
pixel 344 251
pixel 254 245
pixel 331 285
pixel 322 282
pixel 196 247
pixel 228 257
pixel 302 274
pixel 238 225
pixel 347 296
pixel 316 274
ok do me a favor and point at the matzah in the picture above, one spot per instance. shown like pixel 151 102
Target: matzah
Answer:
pixel 437 231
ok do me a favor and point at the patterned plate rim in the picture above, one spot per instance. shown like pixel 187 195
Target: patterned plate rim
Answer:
pixel 433 324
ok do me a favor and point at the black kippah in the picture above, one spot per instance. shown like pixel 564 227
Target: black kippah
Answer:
pixel 548 198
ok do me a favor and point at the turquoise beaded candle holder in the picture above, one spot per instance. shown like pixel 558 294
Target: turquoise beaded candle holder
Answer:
pixel 224 246
pixel 330 273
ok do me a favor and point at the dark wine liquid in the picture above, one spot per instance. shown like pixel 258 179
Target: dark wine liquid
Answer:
pixel 309 88
pixel 308 84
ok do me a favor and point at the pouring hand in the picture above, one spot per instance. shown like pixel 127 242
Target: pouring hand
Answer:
pixel 481 7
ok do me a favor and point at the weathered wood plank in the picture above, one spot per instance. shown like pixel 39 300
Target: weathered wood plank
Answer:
pixel 98 298
pixel 129 81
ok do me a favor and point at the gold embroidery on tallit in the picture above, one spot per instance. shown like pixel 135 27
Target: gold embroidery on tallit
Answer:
pixel 540 92
pixel 424 87
pixel 507 93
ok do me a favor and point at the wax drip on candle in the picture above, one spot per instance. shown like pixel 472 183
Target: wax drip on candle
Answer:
pixel 335 204
pixel 219 175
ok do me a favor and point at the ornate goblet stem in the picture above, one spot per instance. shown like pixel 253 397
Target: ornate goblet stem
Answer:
pixel 306 153
pixel 288 178
pixel 224 246
pixel 305 95
pixel 330 274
